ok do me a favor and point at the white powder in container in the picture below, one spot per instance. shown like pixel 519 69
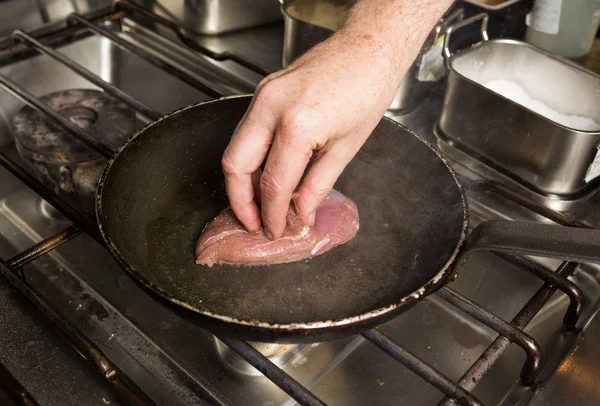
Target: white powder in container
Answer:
pixel 517 94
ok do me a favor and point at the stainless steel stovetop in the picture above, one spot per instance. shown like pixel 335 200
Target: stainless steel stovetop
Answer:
pixel 176 362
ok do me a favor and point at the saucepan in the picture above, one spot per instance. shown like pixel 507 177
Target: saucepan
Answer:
pixel 162 187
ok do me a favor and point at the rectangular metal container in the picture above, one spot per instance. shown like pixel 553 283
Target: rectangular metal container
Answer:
pixel 212 17
pixel 548 157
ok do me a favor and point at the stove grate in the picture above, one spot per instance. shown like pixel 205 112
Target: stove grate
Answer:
pixel 455 392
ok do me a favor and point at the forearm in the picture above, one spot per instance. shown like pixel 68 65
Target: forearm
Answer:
pixel 395 28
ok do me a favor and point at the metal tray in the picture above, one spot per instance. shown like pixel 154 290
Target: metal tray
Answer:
pixel 533 146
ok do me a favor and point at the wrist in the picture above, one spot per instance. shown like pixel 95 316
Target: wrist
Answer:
pixel 365 42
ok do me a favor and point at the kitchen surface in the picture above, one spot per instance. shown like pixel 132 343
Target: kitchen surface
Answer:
pixel 517 121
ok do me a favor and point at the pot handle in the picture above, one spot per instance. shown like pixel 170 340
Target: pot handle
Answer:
pixel 442 26
pixel 544 240
pixel 484 34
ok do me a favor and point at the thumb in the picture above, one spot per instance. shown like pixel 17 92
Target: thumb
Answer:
pixel 319 181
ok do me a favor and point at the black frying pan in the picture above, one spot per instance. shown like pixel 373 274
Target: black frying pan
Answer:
pixel 166 183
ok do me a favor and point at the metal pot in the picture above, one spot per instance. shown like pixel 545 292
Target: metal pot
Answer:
pixel 309 22
pixel 212 17
pixel 540 146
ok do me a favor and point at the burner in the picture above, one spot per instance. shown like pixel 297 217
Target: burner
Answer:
pixel 279 354
pixel 60 160
pixel 51 213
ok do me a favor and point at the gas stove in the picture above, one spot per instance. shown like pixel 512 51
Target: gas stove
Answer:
pixel 130 340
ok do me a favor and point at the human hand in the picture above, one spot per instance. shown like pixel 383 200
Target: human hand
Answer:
pixel 327 102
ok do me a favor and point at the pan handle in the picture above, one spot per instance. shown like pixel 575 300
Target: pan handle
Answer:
pixel 544 240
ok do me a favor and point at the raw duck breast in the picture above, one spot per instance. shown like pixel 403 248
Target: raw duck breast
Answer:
pixel 225 241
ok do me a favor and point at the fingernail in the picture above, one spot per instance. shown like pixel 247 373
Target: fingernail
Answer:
pixel 268 234
pixel 294 202
pixel 311 218
pixel 254 231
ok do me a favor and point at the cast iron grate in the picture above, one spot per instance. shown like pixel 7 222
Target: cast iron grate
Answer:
pixel 125 388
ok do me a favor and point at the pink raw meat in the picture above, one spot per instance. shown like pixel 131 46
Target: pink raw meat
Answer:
pixel 224 240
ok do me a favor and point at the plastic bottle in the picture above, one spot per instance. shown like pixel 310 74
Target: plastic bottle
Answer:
pixel 564 27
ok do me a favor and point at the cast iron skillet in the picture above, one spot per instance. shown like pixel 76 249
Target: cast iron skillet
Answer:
pixel 165 184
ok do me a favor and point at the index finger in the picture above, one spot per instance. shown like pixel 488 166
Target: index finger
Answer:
pixel 242 158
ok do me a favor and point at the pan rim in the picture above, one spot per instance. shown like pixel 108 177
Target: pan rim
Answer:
pixel 429 287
